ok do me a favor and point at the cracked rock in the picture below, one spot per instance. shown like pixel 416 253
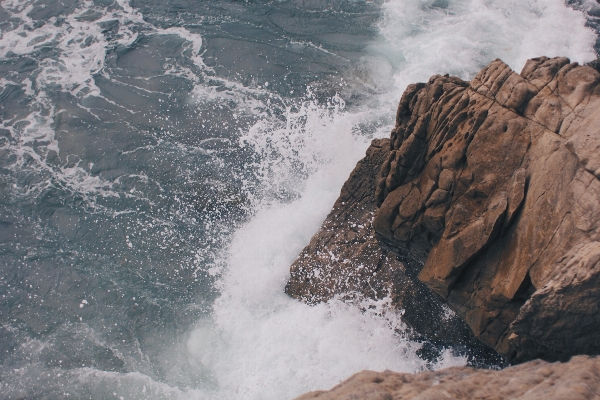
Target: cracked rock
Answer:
pixel 510 236
pixel 486 197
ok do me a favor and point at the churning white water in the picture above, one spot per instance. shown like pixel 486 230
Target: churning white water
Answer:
pixel 260 344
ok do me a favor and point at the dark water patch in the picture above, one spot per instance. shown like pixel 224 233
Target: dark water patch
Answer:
pixel 289 44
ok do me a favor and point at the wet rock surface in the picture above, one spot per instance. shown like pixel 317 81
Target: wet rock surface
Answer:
pixel 345 259
pixel 576 379
pixel 488 193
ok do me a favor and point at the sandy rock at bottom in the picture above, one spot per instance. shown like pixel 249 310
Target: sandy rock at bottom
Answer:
pixel 574 380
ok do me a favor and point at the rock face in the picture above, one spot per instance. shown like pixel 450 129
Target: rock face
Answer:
pixel 489 192
pixel 577 379
pixel 345 259
pixel 493 187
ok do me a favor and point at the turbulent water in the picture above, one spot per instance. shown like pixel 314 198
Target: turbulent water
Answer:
pixel 163 162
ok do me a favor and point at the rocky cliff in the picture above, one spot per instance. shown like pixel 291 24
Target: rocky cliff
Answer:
pixel 486 200
pixel 493 186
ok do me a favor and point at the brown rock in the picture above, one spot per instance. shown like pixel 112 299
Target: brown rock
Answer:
pixel 576 379
pixel 493 187
pixel 345 259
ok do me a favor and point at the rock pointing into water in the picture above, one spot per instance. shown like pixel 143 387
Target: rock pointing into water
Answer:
pixel 489 192
pixel 575 380
pixel 345 259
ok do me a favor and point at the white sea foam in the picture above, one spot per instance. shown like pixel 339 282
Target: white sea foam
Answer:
pixel 259 343
pixel 421 38
pixel 82 51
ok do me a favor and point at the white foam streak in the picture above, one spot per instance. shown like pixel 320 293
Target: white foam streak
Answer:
pixel 423 38
pixel 82 48
pixel 194 43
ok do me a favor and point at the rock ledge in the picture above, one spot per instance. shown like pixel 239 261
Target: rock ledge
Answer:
pixel 577 379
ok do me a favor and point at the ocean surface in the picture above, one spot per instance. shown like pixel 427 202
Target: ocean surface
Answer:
pixel 162 163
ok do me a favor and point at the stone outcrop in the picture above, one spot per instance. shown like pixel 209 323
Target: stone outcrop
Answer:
pixel 345 259
pixel 488 191
pixel 493 186
pixel 576 379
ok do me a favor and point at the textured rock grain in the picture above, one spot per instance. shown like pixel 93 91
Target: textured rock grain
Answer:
pixel 489 192
pixel 574 380
pixel 493 186
pixel 345 259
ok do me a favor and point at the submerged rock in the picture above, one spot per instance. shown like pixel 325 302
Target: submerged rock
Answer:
pixel 489 192
pixel 576 379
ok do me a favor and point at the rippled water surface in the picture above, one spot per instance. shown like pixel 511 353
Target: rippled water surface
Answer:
pixel 163 162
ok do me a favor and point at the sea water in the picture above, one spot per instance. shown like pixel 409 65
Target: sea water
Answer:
pixel 163 163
